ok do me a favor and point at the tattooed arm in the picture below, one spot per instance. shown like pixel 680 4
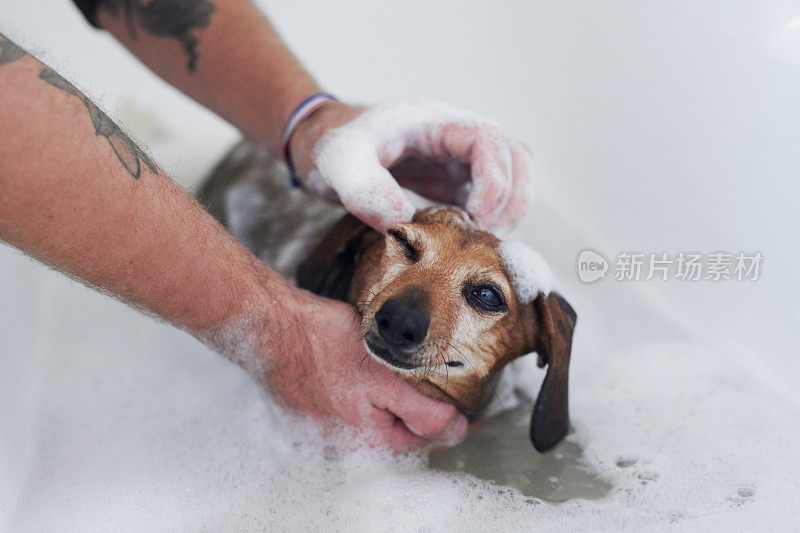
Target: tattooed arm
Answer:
pixel 79 195
pixel 223 53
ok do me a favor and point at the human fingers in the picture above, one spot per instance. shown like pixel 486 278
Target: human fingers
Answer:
pixel 521 195
pixel 349 163
pixel 423 416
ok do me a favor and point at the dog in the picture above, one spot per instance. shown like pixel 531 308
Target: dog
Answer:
pixel 439 300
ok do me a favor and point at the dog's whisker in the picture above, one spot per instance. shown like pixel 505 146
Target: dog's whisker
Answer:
pixel 446 374
pixel 484 379
pixel 450 345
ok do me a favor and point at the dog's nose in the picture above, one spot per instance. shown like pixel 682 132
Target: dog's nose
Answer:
pixel 401 324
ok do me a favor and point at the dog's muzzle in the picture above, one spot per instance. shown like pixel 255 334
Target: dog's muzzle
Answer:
pixel 401 329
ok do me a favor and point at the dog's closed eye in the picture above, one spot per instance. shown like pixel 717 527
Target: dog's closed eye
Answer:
pixel 410 251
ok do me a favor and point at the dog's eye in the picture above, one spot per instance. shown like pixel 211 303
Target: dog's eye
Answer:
pixel 411 253
pixel 486 297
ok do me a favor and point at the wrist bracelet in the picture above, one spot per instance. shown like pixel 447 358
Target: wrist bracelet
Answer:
pixel 300 113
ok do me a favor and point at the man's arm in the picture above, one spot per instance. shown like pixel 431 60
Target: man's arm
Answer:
pixel 78 194
pixel 222 53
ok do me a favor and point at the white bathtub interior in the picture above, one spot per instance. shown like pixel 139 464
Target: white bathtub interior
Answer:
pixel 655 127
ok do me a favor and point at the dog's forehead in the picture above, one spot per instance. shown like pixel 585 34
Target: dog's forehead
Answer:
pixel 450 231
pixel 452 227
pixel 459 246
pixel 453 235
pixel 448 215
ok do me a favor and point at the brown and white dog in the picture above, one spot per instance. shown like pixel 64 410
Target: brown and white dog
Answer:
pixel 436 296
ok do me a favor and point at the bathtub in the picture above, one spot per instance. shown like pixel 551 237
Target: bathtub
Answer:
pixel 656 129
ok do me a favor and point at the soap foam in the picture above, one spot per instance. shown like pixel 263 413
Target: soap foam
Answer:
pixel 351 159
pixel 527 270
pixel 140 427
pixel 240 340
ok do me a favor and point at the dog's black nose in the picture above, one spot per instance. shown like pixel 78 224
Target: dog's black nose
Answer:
pixel 401 324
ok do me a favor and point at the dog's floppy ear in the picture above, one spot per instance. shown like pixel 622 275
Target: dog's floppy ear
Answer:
pixel 555 323
pixel 329 269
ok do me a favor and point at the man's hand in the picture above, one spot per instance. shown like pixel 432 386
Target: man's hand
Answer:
pixel 364 155
pixel 323 369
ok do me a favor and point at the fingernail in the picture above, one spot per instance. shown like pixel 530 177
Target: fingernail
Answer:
pixel 456 431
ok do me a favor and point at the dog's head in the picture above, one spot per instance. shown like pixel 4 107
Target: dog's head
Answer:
pixel 447 305
pixel 444 304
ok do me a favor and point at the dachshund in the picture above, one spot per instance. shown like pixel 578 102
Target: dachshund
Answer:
pixel 439 301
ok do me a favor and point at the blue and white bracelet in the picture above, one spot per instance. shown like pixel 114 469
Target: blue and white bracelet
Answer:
pixel 301 112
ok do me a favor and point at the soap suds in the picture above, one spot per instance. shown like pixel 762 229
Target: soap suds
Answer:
pixel 138 424
pixel 527 270
pixel 240 340
pixel 351 159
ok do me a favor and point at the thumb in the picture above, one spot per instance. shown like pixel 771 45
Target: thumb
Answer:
pixel 348 162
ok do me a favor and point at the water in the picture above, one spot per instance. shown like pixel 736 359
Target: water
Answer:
pixel 499 450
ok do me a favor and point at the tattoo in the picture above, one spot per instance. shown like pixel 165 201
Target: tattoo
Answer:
pixel 130 155
pixel 166 18
pixel 9 51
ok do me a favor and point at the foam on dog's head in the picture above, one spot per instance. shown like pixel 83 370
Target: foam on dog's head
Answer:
pixel 527 270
